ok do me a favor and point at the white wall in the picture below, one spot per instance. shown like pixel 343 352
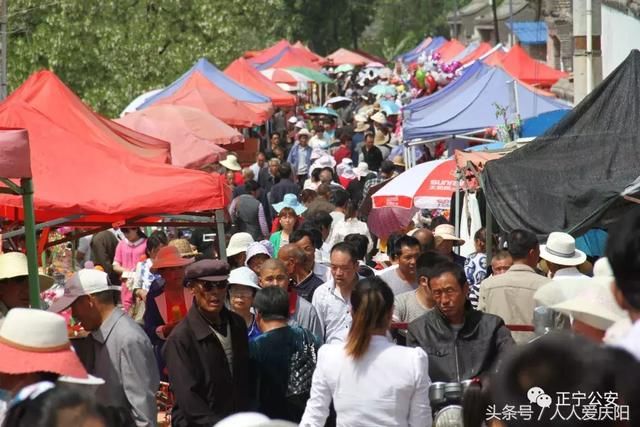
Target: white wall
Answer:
pixel 620 34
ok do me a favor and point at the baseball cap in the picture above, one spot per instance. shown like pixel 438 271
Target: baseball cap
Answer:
pixel 84 282
pixel 211 270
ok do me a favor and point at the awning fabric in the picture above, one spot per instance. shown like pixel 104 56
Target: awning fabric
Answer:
pixel 471 105
pixel 241 71
pixel 209 89
pixel 519 64
pixel 79 170
pixel 46 93
pixel 345 56
pixel 572 177
pixel 533 32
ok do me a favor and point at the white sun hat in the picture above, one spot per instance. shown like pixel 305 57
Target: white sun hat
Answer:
pixel 561 249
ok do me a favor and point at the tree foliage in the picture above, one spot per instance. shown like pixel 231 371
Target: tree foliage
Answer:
pixel 110 51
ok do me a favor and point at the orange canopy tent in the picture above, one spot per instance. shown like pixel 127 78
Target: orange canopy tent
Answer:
pixel 309 53
pixel 495 58
pixel 482 48
pixel 450 49
pixel 345 56
pixel 519 64
pixel 241 71
pixel 76 174
pixel 47 94
pixel 198 92
pixel 289 56
pixel 194 135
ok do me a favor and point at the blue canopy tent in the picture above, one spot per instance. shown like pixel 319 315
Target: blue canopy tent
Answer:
pixel 217 78
pixel 476 70
pixel 414 53
pixel 471 106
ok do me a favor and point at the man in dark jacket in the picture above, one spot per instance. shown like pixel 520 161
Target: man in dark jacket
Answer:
pixel 284 186
pixel 370 154
pixel 207 354
pixel 461 343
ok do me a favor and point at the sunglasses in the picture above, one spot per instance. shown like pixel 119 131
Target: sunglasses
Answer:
pixel 208 286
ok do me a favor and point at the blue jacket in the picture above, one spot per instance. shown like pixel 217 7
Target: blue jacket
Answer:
pixel 294 155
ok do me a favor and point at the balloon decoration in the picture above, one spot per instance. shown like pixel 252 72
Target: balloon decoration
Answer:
pixel 429 74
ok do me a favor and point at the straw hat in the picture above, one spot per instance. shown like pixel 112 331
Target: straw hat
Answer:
pixel 379 118
pixel 447 232
pixel 36 341
pixel 290 200
pixel 14 264
pixel 561 249
pixel 231 163
pixel 244 276
pixel 84 282
pixel 399 161
pixel 303 132
pixel 169 256
pixel 184 247
pixel 238 243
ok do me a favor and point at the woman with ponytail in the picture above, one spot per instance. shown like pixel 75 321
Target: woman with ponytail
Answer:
pixel 371 380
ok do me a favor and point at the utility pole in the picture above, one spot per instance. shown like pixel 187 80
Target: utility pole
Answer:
pixel 496 29
pixel 3 46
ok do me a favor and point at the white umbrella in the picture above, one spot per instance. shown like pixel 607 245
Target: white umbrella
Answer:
pixel 337 100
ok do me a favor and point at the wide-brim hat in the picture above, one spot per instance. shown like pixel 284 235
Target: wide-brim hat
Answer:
pixel 184 247
pixel 362 170
pixel 301 125
pixel 37 341
pixel 257 248
pixel 561 249
pixel 361 126
pixel 169 256
pixel 399 161
pixel 304 132
pixel 379 118
pixel 290 200
pixel 238 243
pixel 594 305
pixel 243 276
pixel 381 139
pixel 293 120
pixel 14 264
pixel 231 162
pixel 447 232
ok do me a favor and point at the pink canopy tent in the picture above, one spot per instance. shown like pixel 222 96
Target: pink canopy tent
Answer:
pixel 194 135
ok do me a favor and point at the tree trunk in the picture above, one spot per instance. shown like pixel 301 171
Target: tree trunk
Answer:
pixel 495 21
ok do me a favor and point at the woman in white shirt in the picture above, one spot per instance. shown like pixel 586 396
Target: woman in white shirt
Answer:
pixel 372 381
pixel 350 225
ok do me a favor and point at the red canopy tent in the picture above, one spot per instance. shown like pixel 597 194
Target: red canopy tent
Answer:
pixel 450 49
pixel 76 174
pixel 476 54
pixel 269 52
pixel 495 58
pixel 200 93
pixel 345 56
pixel 241 71
pixel 520 65
pixel 288 56
pixel 308 52
pixel 47 94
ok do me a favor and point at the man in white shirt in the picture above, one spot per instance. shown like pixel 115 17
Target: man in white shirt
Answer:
pixel 562 258
pixel 332 300
pixel 402 277
pixel 623 246
pixel 260 164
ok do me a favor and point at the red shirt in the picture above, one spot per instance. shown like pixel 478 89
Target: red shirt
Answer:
pixel 342 153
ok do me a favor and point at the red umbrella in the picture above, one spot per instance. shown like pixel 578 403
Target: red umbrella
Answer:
pixel 194 135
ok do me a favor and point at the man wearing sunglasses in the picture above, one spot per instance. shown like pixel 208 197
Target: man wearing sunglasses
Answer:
pixel 207 354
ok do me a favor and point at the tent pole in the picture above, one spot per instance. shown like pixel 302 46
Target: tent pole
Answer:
pixel 489 232
pixel 457 218
pixel 30 235
pixel 221 236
